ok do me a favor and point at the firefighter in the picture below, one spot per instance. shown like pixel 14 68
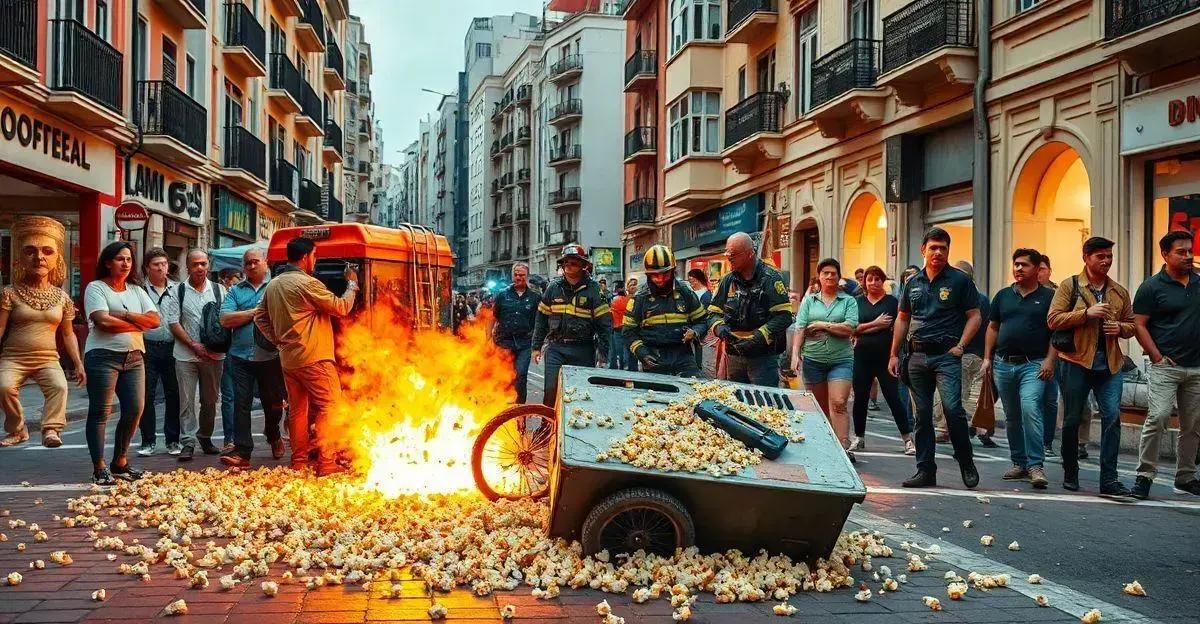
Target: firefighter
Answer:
pixel 573 319
pixel 664 319
pixel 750 312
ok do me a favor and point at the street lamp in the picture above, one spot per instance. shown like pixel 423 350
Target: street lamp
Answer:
pixel 435 92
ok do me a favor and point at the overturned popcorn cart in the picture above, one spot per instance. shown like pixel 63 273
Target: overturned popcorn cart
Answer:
pixel 795 504
pixel 407 268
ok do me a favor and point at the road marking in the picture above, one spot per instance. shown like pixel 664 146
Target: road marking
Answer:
pixel 1061 597
pixel 1031 496
pixel 899 455
pixel 45 487
pixel 975 453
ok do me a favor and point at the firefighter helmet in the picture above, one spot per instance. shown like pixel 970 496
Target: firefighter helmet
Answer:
pixel 577 251
pixel 659 259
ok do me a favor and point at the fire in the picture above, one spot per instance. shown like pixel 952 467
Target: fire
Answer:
pixel 413 402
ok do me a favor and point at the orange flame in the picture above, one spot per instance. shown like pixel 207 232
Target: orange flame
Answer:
pixel 414 400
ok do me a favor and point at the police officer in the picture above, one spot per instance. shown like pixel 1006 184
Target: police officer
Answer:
pixel 515 311
pixel 939 314
pixel 750 311
pixel 664 319
pixel 573 318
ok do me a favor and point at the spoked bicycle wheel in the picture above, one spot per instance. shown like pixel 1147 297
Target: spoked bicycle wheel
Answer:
pixel 511 455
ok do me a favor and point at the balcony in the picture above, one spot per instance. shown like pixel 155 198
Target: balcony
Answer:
pixel 85 76
pixel 310 28
pixel 641 144
pixel 749 20
pixel 843 88
pixel 333 211
pixel 522 253
pixel 566 112
pixel 497 113
pixel 569 68
pixel 1151 34
pixel 310 197
pixel 186 13
pixel 496 153
pixel 524 134
pixel 562 237
pixel 928 45
pixel 565 156
pixel 363 168
pixel 523 176
pixel 641 71
pixel 752 135
pixel 364 129
pixel 506 142
pixel 335 66
pixel 244 162
pixel 507 180
pixel 505 255
pixel 524 94
pixel 174 126
pixel 564 198
pixel 522 217
pixel 495 187
pixel 286 88
pixel 505 218
pixel 331 146
pixel 283 189
pixel 308 122
pixel 352 86
pixel 245 43
pixel 290 8
pixel 19 42
pixel 338 9
pixel 508 102
pixel 639 214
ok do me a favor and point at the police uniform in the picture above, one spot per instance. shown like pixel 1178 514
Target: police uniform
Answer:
pixel 574 321
pixel 654 326
pixel 752 317
pixel 515 315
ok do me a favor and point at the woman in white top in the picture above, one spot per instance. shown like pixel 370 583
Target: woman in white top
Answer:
pixel 118 311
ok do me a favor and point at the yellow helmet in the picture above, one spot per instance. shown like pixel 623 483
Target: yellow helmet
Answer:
pixel 659 259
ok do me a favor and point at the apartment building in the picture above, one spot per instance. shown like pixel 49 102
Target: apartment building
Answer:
pixel 362 174
pixel 514 159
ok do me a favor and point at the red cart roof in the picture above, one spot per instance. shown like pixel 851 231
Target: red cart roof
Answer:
pixel 357 240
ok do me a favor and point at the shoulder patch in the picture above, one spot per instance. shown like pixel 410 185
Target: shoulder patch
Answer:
pixel 780 288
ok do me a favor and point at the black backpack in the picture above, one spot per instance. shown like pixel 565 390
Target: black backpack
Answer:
pixel 214 337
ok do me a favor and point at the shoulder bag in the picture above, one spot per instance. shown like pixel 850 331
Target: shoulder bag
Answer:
pixel 1063 340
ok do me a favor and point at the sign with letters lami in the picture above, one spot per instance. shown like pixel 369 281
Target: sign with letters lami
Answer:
pixel 163 190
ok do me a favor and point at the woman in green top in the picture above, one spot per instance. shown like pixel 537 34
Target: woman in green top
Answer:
pixel 822 352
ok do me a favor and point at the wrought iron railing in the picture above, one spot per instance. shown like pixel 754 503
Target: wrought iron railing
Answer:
pixel 640 212
pixel 562 237
pixel 333 135
pixel 506 179
pixel 313 17
pixel 562 153
pixel 506 141
pixel 19 31
pixel 852 65
pixel 352 86
pixel 244 151
pixel 333 56
pixel 310 197
pixel 761 112
pixel 642 63
pixel 495 148
pixel 285 180
pixel 924 26
pixel 567 195
pixel 496 187
pixel 640 139
pixel 567 64
pixel 333 209
pixel 162 109
pixel 566 108
pixel 741 10
pixel 505 218
pixel 524 93
pixel 1122 17
pixel 82 62
pixel 285 76
pixel 523 215
pixel 311 105
pixel 523 175
pixel 497 112
pixel 242 29
pixel 523 134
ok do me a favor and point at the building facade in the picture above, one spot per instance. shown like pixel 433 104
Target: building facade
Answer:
pixel 362 172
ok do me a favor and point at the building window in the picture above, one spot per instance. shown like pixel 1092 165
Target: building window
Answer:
pixel 694 20
pixel 862 19
pixel 102 19
pixel 483 50
pixel 806 55
pixel 695 124
pixel 1025 5
pixel 190 78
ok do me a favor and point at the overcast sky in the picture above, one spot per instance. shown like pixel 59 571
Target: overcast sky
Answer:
pixel 415 44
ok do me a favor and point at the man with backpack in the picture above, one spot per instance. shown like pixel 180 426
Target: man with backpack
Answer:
pixel 199 356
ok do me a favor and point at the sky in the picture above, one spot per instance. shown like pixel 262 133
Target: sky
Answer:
pixel 418 44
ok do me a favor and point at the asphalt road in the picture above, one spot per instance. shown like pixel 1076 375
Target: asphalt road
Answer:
pixel 1085 547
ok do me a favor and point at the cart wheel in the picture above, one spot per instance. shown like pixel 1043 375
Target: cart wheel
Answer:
pixel 511 455
pixel 638 519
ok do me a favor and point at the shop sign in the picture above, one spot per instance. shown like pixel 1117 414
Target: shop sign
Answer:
pixel 163 190
pixel 1161 118
pixel 716 225
pixel 266 226
pixel 235 215
pixel 1183 215
pixel 783 231
pixel 636 260
pixel 55 148
pixel 606 259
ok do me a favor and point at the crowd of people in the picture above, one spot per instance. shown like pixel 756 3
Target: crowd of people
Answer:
pixel 926 341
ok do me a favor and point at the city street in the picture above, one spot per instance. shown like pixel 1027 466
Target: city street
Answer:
pixel 1085 547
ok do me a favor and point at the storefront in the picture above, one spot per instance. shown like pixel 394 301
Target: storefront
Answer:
pixel 1160 141
pixel 52 168
pixel 699 242
pixel 237 219
pixel 176 202
pixel 269 220
pixel 606 263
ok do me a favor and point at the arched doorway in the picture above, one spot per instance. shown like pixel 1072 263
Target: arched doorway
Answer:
pixel 806 253
pixel 865 237
pixel 1052 204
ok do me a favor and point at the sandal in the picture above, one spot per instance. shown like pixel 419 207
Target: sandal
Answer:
pixel 15 438
pixel 50 439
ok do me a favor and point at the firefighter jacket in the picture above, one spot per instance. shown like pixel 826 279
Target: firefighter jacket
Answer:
pixel 515 316
pixel 658 321
pixel 755 310
pixel 573 315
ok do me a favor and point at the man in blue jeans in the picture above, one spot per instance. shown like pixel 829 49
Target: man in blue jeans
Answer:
pixel 1050 396
pixel 515 309
pixel 938 316
pixel 1098 311
pixel 1019 341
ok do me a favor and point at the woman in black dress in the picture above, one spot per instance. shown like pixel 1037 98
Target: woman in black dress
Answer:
pixel 876 317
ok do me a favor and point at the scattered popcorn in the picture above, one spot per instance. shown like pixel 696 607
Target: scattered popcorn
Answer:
pixel 437 611
pixel 1042 601
pixel 100 595
pixel 988 581
pixel 1014 546
pixel 37 565
pixel 903 578
pixel 956 591
pixel 3 537
pixel 915 564
pixel 641 595
pixel 1134 589
pixel 199 580
pixel 179 607
pixel 14 578
pixel 952 576
pixel 863 595
pixel 602 608
pixel 891 585
pixel 612 619
pixel 227 582
pixel 987 540
pixel 931 602
pixel 1091 617
pixel 967 524
pixel 945 529
pixel 21 547
pixel 40 536
pixel 682 614
pixel 910 525
pixel 784 609
pixel 983 499
pixel 61 558
pixel 270 588
pixel 1035 579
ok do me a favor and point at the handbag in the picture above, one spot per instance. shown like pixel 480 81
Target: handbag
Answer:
pixel 985 409
pixel 1063 340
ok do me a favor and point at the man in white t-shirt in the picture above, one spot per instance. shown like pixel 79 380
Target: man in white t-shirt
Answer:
pixel 195 366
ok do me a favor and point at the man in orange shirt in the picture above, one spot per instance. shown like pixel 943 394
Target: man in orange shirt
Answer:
pixel 295 315
pixel 619 356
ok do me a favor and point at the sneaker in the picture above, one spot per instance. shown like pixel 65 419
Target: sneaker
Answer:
pixel 1191 487
pixel 50 439
pixel 970 476
pixel 1141 488
pixel 103 478
pixel 1116 489
pixel 1083 454
pixel 873 405
pixel 987 441
pixel 910 449
pixel 857 444
pixel 1016 473
pixel 233 460
pixel 146 450
pixel 227 448
pixel 173 448
pixel 1050 451
pixel 185 455
pixel 1037 478
pixel 1071 481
